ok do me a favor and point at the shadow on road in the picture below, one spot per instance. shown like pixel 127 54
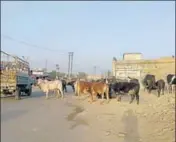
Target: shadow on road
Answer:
pixel 131 126
pixel 72 116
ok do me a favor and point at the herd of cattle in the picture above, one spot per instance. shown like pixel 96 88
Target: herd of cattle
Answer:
pixel 107 87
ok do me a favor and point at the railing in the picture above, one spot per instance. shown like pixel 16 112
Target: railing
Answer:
pixel 13 63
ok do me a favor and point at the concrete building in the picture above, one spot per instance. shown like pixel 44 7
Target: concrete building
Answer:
pixel 134 65
pixel 94 77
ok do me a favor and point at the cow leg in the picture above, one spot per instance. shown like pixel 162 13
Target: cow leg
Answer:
pixel 65 88
pixel 62 93
pixel 150 89
pixel 73 87
pixel 46 94
pixel 91 98
pixel 170 89
pixel 58 93
pixel 159 91
pixel 102 98
pixel 132 98
pixel 119 96
pixel 173 88
pixel 162 91
pixel 137 98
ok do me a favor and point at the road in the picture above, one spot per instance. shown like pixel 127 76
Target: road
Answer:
pixel 72 119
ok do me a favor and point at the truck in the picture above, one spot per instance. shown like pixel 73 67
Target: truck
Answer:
pixel 15 76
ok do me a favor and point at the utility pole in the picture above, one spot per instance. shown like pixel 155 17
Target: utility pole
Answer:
pixel 70 63
pixel 46 62
pixel 57 70
pixel 95 68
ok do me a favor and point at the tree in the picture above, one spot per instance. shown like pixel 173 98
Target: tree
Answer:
pixel 82 75
pixel 52 74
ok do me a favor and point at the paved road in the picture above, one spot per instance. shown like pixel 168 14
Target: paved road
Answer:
pixel 34 119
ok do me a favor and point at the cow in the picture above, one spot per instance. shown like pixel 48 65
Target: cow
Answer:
pixel 71 83
pixel 133 80
pixel 81 87
pixel 171 82
pixel 100 88
pixel 132 88
pixel 64 85
pixel 149 83
pixel 47 86
pixel 160 84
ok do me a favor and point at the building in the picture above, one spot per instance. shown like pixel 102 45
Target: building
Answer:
pixel 39 73
pixel 94 77
pixel 134 65
pixel 132 56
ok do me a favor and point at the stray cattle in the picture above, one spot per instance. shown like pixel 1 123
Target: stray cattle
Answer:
pixel 100 88
pixel 47 86
pixel 71 83
pixel 160 84
pixel 149 82
pixel 134 80
pixel 82 87
pixel 131 88
pixel 64 85
pixel 171 82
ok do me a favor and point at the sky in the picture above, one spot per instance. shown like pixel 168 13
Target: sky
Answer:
pixel 95 31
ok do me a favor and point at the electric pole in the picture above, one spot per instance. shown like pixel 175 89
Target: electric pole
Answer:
pixel 95 68
pixel 46 66
pixel 70 63
pixel 57 70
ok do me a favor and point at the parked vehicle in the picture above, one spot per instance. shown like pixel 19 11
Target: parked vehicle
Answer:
pixel 15 76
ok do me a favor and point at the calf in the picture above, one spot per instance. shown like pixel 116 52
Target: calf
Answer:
pixel 127 87
pixel 160 84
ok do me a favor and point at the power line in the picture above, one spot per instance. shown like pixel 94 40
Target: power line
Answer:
pixel 29 44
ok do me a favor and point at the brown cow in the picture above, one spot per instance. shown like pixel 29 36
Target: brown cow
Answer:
pixel 82 87
pixel 99 88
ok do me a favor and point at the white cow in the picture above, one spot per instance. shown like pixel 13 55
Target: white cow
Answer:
pixel 47 86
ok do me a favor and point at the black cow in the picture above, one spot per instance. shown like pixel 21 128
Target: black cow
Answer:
pixel 71 83
pixel 131 88
pixel 64 85
pixel 160 84
pixel 134 80
pixel 171 81
pixel 149 82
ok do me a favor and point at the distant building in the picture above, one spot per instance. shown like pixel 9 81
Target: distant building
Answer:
pixel 39 73
pixel 134 65
pixel 132 56
pixel 94 77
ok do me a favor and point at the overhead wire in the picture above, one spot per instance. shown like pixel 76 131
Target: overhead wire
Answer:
pixel 31 45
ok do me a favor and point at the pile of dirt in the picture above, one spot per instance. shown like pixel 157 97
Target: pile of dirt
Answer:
pixel 159 118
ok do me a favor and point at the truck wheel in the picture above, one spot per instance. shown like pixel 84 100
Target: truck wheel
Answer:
pixel 18 93
pixel 29 92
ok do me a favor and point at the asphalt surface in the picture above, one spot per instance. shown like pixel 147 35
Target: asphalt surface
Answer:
pixel 34 119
